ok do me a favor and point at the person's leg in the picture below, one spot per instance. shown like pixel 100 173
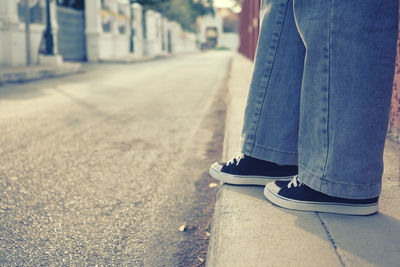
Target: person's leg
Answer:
pixel 346 93
pixel 271 122
pixel 345 101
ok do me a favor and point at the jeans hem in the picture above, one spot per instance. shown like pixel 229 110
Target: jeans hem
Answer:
pixel 269 154
pixel 338 189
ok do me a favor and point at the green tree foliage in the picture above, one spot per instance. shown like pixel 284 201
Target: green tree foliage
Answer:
pixel 183 11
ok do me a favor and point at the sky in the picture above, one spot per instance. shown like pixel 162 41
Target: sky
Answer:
pixel 224 3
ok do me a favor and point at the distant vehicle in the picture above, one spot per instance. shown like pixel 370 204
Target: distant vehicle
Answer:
pixel 211 38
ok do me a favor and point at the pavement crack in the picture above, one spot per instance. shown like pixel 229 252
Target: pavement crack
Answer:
pixel 331 240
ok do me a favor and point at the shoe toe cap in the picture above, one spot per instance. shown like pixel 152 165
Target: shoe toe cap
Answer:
pixel 273 187
pixel 216 167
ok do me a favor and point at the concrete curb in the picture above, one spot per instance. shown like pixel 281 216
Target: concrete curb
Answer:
pixel 26 74
pixel 247 230
pixel 132 60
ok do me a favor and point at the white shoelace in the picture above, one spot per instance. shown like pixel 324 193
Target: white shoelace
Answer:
pixel 295 182
pixel 238 158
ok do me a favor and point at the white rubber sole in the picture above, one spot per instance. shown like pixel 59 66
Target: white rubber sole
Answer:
pixel 215 172
pixel 271 193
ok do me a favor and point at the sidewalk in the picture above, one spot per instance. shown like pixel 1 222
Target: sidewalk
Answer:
pixel 132 59
pixel 248 230
pixel 26 74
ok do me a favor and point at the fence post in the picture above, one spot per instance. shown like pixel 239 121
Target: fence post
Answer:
pixel 93 29
pixel 48 32
pixel 27 33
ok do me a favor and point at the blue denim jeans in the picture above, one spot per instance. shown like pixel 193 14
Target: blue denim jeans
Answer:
pixel 321 89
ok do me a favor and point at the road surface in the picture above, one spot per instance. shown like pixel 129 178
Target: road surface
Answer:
pixel 102 168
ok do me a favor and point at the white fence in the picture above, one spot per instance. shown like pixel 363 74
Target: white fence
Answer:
pixel 107 30
pixel 71 34
pixel 12 33
pixel 118 31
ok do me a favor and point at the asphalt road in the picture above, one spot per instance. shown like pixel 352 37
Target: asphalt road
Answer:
pixel 101 168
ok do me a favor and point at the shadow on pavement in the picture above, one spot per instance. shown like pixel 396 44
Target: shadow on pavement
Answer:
pixel 357 239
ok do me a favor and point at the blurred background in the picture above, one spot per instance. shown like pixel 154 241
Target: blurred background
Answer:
pixel 122 30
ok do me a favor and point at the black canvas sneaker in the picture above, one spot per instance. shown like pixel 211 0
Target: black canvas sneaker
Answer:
pixel 298 196
pixel 245 170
